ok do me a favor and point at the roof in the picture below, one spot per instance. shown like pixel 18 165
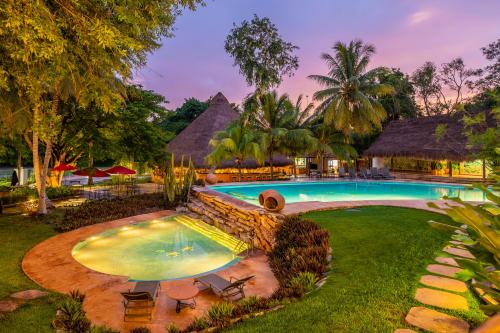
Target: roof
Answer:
pixel 194 140
pixel 416 138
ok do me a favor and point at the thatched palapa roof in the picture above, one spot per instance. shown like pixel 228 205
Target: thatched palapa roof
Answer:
pixel 416 138
pixel 194 140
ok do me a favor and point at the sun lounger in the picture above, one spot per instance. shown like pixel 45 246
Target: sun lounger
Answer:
pixel 342 172
pixel 352 173
pixel 363 173
pixel 375 174
pixel 386 174
pixel 222 287
pixel 140 302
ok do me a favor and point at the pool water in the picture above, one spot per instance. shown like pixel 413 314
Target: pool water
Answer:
pixel 352 191
pixel 163 249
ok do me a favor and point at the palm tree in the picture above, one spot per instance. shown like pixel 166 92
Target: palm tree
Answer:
pixel 237 142
pixel 273 117
pixel 348 98
pixel 299 139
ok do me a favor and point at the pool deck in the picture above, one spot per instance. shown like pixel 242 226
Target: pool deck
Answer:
pixel 51 265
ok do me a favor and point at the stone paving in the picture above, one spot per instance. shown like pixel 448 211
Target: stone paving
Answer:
pixel 443 270
pixel 435 321
pixel 441 299
pixel 443 283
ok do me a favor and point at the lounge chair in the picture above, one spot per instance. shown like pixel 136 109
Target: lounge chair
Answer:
pixel 352 173
pixel 386 174
pixel 375 174
pixel 342 172
pixel 363 173
pixel 140 302
pixel 222 287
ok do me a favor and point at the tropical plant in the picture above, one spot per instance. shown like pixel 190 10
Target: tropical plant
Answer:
pixel 72 317
pixel 141 330
pixel 349 98
pixel 172 328
pixel 237 141
pixel 272 117
pixel 198 324
pixel 77 295
pixel 261 53
pixel 306 281
pixel 221 313
pixel 102 329
pixel 177 187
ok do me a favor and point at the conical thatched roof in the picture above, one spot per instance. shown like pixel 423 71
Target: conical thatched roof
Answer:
pixel 193 140
pixel 416 138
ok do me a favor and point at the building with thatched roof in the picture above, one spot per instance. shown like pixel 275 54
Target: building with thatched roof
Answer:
pixel 194 140
pixel 435 138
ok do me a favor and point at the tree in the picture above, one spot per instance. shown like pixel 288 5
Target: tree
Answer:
pixel 426 82
pixel 491 73
pixel 52 50
pixel 272 116
pixel 401 104
pixel 262 55
pixel 178 120
pixel 238 142
pixel 349 98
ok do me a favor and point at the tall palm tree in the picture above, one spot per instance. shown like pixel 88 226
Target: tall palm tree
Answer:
pixel 349 95
pixel 237 142
pixel 273 117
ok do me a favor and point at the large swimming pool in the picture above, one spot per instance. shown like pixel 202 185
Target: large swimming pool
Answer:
pixel 351 191
pixel 164 249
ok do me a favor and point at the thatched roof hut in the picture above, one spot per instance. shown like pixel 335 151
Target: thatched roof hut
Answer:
pixel 193 140
pixel 417 138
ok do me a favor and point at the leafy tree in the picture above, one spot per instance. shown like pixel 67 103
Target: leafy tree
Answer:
pixel 262 55
pixel 401 104
pixel 491 73
pixel 52 50
pixel 178 120
pixel 349 98
pixel 237 141
pixel 426 83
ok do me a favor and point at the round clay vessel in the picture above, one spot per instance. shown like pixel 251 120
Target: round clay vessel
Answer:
pixel 272 200
pixel 211 179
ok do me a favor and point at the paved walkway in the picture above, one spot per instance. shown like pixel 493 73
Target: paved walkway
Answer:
pixel 51 265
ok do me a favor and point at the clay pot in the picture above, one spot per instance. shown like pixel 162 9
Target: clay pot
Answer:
pixel 271 200
pixel 211 179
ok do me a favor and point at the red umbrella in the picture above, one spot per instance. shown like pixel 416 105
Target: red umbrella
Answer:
pixel 94 172
pixel 64 167
pixel 120 170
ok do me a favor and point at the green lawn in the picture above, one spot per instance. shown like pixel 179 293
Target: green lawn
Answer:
pixel 379 255
pixel 17 235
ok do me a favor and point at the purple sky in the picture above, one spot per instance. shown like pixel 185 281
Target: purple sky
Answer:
pixel 406 33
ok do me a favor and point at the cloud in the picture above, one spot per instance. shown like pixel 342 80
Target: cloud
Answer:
pixel 420 16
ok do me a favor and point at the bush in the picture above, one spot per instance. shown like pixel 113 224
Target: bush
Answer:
pixel 72 317
pixel 251 304
pixel 77 295
pixel 198 324
pixel 301 246
pixel 304 280
pixel 20 194
pixel 92 212
pixel 102 329
pixel 172 328
pixel 220 314
pixel 60 192
pixel 140 330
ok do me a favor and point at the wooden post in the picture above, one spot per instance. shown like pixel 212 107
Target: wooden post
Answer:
pixel 484 169
pixel 450 169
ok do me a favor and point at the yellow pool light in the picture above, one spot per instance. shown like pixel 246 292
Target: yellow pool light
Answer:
pixel 173 254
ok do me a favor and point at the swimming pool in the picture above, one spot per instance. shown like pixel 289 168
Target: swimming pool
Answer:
pixel 164 249
pixel 351 191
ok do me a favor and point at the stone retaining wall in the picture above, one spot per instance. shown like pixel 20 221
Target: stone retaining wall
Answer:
pixel 236 217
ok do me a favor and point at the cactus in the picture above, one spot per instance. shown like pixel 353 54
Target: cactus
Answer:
pixel 177 189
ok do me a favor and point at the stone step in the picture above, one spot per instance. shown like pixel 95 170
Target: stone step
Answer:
pixel 29 294
pixel 435 322
pixel 444 283
pixel 446 261
pixel 443 270
pixel 459 252
pixel 441 299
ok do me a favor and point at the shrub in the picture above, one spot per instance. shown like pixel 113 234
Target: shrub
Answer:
pixel 220 314
pixel 72 317
pixel 301 246
pixel 140 330
pixel 20 194
pixel 60 192
pixel 92 212
pixel 198 324
pixel 304 280
pixel 250 304
pixel 77 295
pixel 102 329
pixel 171 328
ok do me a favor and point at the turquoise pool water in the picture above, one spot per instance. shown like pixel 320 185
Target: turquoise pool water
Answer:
pixel 163 249
pixel 351 191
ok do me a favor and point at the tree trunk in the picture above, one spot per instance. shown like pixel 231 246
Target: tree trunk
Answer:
pixel 239 171
pixel 294 169
pixel 271 165
pixel 91 165
pixel 19 166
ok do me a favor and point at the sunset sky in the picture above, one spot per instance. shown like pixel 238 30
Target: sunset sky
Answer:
pixel 406 33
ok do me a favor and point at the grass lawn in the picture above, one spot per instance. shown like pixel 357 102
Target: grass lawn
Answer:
pixel 17 235
pixel 379 254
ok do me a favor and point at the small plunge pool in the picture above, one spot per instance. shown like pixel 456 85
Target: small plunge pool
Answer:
pixel 163 249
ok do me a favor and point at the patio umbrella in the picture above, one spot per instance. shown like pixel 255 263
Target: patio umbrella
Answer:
pixel 120 170
pixel 91 172
pixel 64 167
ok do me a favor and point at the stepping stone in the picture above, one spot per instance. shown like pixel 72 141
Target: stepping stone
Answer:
pixel 435 322
pixel 447 261
pixel 29 294
pixel 9 305
pixel 443 270
pixel 459 252
pixel 404 330
pixel 444 283
pixel 441 299
pixel 460 232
